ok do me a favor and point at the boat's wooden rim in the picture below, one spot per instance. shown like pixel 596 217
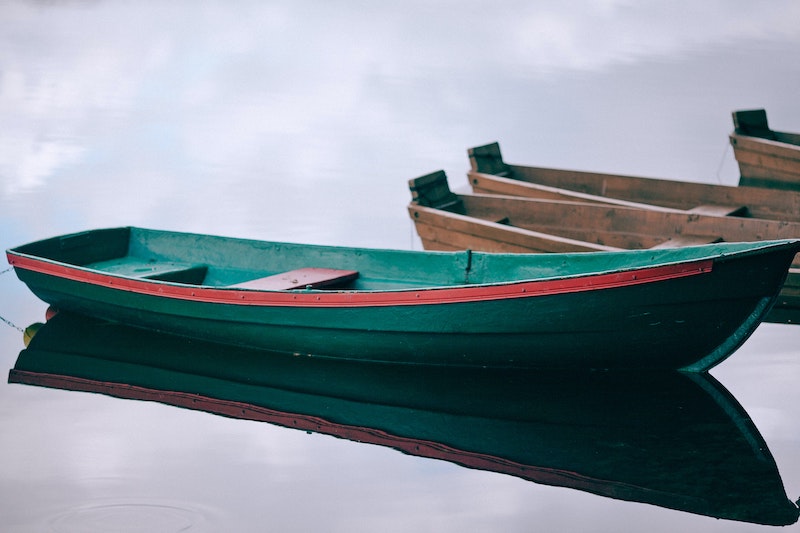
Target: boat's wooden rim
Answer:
pixel 367 298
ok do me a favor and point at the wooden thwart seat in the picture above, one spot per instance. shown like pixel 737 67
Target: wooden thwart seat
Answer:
pixel 721 210
pixel 687 240
pixel 311 277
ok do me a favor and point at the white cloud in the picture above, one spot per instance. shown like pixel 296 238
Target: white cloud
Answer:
pixel 30 163
pixel 258 85
pixel 593 35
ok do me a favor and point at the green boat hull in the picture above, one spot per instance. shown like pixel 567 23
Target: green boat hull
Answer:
pixel 688 312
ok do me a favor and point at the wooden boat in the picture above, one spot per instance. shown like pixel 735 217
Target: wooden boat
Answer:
pixel 683 308
pixel 675 440
pixel 766 158
pixel 489 174
pixel 493 223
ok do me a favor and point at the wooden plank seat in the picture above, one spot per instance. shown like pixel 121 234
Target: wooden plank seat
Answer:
pixel 687 240
pixel 721 210
pixel 310 277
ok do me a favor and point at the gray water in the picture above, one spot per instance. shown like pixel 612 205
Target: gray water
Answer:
pixel 303 121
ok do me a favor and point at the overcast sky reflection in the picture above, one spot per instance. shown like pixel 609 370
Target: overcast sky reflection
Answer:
pixel 303 121
pixel 201 86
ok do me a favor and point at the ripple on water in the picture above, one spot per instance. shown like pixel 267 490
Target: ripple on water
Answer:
pixel 130 516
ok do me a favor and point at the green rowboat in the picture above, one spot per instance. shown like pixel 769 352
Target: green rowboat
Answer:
pixel 686 308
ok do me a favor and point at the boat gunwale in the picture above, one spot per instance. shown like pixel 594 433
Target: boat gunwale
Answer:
pixel 569 195
pixel 388 297
pixel 566 194
pixel 763 141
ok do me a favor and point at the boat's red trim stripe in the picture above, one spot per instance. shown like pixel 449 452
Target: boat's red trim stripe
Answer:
pixel 411 446
pixel 321 298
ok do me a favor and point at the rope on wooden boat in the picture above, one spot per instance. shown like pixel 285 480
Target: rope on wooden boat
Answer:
pixel 722 161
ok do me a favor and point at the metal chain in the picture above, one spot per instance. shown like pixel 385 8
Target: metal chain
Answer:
pixel 16 327
pixel 9 269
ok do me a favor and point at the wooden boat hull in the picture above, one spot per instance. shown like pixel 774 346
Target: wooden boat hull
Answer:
pixel 669 439
pixel 490 174
pixel 766 158
pixel 657 312
pixel 493 223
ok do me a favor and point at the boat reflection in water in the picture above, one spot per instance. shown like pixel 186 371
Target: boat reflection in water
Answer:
pixel 675 440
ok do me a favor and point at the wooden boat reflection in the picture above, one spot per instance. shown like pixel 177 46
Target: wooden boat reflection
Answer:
pixel 674 440
pixel 766 158
pixel 448 221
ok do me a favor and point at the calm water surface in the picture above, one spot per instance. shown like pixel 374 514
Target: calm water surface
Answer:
pixel 303 121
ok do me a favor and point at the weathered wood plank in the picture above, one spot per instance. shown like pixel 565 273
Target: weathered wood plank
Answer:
pixel 593 218
pixel 766 149
pixel 687 240
pixel 498 185
pixel 756 176
pixel 533 182
pixel 462 232
pixel 594 226
pixel 764 165
pixel 770 163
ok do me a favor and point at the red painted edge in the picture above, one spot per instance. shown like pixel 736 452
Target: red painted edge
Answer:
pixel 245 411
pixel 333 298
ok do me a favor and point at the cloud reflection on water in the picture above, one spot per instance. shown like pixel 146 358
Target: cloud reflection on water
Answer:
pixel 205 87
pixel 252 119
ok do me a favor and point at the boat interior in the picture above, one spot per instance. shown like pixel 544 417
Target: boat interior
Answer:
pixel 595 226
pixel 211 261
pixel 490 174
